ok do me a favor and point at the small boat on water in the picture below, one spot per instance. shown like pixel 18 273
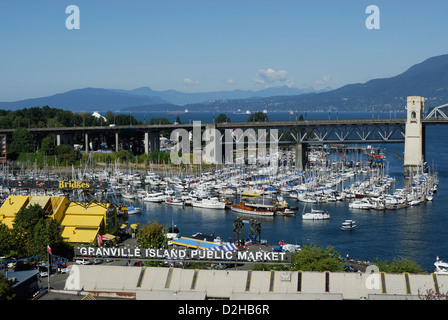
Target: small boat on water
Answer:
pixel 174 202
pixel 316 214
pixel 441 266
pixel 156 197
pixel 134 210
pixel 363 203
pixel 348 225
pixel 173 233
pixel 243 208
pixel 210 203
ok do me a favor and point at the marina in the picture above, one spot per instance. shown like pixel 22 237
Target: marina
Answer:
pixel 398 223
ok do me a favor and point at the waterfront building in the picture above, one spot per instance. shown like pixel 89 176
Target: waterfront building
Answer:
pixel 81 222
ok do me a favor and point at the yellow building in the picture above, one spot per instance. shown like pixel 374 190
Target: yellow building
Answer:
pixel 80 221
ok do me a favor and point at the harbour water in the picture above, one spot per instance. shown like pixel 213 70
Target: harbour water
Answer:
pixel 416 232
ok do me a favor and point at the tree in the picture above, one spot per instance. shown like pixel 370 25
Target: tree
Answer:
pixel 314 258
pixel 221 118
pixel 6 240
pixel 6 289
pixel 48 146
pixel 398 266
pixel 22 141
pixel 33 229
pixel 258 117
pixel 152 235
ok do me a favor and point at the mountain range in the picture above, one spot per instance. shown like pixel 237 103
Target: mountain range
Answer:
pixel 428 79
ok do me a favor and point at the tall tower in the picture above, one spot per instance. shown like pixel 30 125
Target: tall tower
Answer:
pixel 414 145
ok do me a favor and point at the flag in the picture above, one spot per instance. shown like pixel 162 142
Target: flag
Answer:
pixel 49 249
pixel 99 240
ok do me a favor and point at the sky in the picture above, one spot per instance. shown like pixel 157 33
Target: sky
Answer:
pixel 211 45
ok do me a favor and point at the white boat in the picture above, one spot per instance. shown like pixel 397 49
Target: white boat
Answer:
pixel 210 203
pixel 134 210
pixel 360 204
pixel 348 225
pixel 307 198
pixel 156 197
pixel 441 266
pixel 316 214
pixel 173 233
pixel 174 202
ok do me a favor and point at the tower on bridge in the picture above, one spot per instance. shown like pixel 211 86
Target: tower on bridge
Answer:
pixel 414 145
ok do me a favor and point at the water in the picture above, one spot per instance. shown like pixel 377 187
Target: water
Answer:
pixel 416 233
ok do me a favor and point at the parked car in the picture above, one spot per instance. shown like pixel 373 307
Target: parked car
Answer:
pixel 350 268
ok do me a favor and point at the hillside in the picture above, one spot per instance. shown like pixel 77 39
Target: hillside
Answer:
pixel 428 79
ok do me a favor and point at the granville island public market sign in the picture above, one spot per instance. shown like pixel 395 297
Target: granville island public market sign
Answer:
pixel 182 253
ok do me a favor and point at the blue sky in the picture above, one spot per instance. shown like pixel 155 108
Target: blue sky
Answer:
pixel 211 45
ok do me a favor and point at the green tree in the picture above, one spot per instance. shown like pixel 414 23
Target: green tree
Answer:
pixel 6 240
pixel 6 289
pixel 258 117
pixel 314 258
pixel 48 146
pixel 152 235
pixel 33 229
pixel 221 118
pixel 398 266
pixel 22 141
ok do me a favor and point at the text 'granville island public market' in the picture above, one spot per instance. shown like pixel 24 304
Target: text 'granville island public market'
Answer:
pixel 246 256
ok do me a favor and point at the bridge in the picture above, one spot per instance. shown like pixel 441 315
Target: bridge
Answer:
pixel 410 130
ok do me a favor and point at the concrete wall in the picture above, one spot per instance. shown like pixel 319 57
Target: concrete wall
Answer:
pixel 176 283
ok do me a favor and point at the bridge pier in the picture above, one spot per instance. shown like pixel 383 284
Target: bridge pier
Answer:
pixel 64 139
pixel 152 141
pixel 301 156
pixel 414 144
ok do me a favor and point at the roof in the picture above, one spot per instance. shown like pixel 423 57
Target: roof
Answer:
pixel 79 235
pixel 193 243
pixel 40 200
pixel 81 221
pixel 92 209
pixel 12 205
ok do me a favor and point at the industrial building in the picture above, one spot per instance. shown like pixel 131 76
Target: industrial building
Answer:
pixel 145 283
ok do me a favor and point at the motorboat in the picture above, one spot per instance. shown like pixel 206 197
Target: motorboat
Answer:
pixel 441 266
pixel 243 208
pixel 209 202
pixel 174 202
pixel 172 233
pixel 156 197
pixel 316 214
pixel 134 210
pixel 348 225
pixel 363 203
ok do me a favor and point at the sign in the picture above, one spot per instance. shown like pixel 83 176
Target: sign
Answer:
pixel 183 253
pixel 55 184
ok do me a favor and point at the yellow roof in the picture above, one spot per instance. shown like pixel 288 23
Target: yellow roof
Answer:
pixel 12 205
pixel 81 221
pixel 79 235
pixel 92 209
pixel 40 200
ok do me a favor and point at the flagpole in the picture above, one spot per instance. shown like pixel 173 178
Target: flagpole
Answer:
pixel 48 268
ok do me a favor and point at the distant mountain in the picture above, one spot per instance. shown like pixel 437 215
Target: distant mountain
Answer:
pixel 182 98
pixel 88 99
pixel 428 79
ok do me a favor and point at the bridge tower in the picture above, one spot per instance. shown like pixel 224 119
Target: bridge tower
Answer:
pixel 414 144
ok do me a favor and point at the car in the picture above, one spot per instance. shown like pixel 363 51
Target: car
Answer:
pixel 83 261
pixel 43 271
pixel 350 268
